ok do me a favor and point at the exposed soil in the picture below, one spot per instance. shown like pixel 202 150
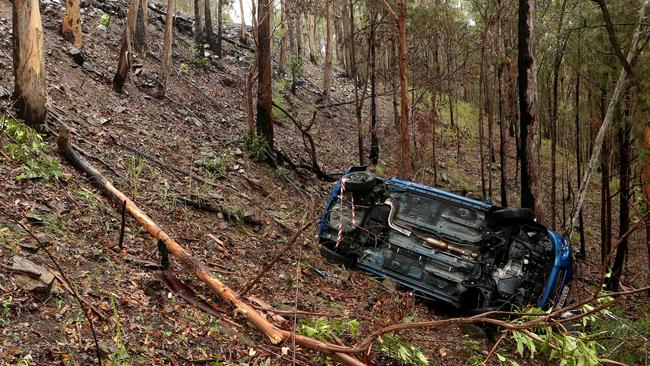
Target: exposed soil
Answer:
pixel 200 116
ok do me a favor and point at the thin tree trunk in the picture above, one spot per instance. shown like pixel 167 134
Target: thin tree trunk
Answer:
pixel 490 128
pixel 327 78
pixel 406 164
pixel 357 103
pixel 374 141
pixel 140 35
pixel 126 51
pixel 243 38
pixel 311 41
pixel 199 24
pixel 209 30
pixel 29 63
pixel 645 184
pixel 394 75
pixel 167 49
pixel 624 197
pixel 502 136
pixel 264 124
pixel 527 77
pixel 481 107
pixel 71 25
pixel 220 28
pixel 282 58
pixel 581 221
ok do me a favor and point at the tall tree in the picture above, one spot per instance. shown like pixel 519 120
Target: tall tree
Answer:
pixel 327 77
pixel 126 51
pixel 140 35
pixel 527 79
pixel 264 123
pixel 199 25
pixel 406 164
pixel 282 58
pixel 213 42
pixel 243 38
pixel 71 25
pixel 29 63
pixel 374 141
pixel 167 48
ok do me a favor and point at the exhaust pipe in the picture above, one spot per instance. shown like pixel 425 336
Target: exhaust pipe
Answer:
pixel 428 241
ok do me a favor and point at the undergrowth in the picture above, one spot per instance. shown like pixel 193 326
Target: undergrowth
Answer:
pixel 29 149
pixel 256 146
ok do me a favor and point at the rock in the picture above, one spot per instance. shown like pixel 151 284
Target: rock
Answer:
pixel 445 178
pixel 39 287
pixel 238 153
pixel 389 285
pixel 230 59
pixel 228 81
pixel 194 120
pixel 119 109
pixel 88 67
pixel 77 56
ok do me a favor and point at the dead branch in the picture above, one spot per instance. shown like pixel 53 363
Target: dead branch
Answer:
pixel 273 333
pixel 204 205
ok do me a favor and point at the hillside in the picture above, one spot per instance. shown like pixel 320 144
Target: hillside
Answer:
pixel 199 127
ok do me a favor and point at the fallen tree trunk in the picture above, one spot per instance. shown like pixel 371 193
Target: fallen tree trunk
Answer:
pixel 273 333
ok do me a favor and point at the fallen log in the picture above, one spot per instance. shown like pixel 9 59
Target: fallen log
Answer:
pixel 274 334
pixel 202 204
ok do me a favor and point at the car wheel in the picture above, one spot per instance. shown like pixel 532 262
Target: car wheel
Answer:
pixel 359 181
pixel 509 216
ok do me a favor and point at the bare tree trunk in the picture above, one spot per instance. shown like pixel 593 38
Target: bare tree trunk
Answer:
pixel 264 124
pixel 374 141
pixel 645 184
pixel 481 107
pixel 29 63
pixel 393 82
pixel 490 135
pixel 126 52
pixel 167 49
pixel 282 58
pixel 581 221
pixel 623 198
pixel 209 30
pixel 199 24
pixel 140 35
pixel 71 25
pixel 406 164
pixel 311 42
pixel 527 77
pixel 327 78
pixel 357 103
pixel 298 30
pixel 502 135
pixel 243 38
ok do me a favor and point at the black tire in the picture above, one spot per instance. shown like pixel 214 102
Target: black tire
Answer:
pixel 510 216
pixel 335 257
pixel 361 181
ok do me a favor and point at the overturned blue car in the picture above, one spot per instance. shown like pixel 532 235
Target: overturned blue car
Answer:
pixel 465 253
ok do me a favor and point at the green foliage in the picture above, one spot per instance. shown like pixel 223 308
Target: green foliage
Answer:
pixel 278 99
pixel 119 357
pixel 325 329
pixel 256 146
pixel 282 173
pixel 215 164
pixel 184 68
pixel 134 168
pixel 200 61
pixel 296 66
pixel 401 350
pixel 625 337
pixel 105 20
pixel 5 310
pixel 30 150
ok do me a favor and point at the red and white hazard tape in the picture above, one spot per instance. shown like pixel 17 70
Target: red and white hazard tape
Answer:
pixel 340 233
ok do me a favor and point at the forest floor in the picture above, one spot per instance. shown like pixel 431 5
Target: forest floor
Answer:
pixel 199 127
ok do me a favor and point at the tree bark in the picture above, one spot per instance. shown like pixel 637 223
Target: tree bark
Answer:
pixel 243 38
pixel 527 78
pixel 167 48
pixel 605 198
pixel 327 78
pixel 199 25
pixel 71 25
pixel 406 164
pixel 581 221
pixel 140 35
pixel 311 41
pixel 357 102
pixel 374 141
pixel 481 107
pixel 282 58
pixel 264 123
pixel 209 30
pixel 29 63
pixel 503 184
pixel 126 52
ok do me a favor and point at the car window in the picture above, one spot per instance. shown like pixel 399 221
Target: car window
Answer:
pixel 443 217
